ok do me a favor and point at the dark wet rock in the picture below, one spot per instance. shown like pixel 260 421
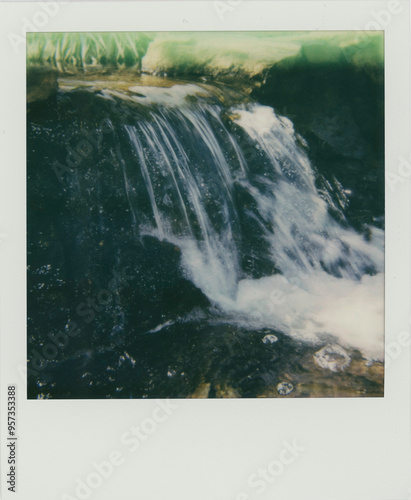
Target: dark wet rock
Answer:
pixel 332 357
pixel 284 388
pixel 201 392
pixel 335 99
pixel 269 339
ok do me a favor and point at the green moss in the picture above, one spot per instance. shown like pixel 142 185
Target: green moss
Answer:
pixel 240 54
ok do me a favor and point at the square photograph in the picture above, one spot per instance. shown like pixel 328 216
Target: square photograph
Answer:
pixel 205 214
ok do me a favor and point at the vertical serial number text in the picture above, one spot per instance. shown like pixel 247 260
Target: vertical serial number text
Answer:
pixel 11 438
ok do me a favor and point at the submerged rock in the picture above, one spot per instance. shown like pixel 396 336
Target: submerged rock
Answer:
pixel 41 83
pixel 332 357
pixel 284 388
pixel 226 391
pixel 269 339
pixel 201 392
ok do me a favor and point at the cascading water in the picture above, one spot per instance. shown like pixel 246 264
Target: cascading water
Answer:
pixel 202 194
pixel 197 244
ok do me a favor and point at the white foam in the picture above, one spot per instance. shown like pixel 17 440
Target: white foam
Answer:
pixel 308 307
pixel 321 305
pixel 323 291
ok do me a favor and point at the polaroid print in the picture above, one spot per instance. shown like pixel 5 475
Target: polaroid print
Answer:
pixel 204 250
pixel 205 214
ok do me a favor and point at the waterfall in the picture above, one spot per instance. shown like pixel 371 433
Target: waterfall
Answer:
pixel 207 194
pixel 206 211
